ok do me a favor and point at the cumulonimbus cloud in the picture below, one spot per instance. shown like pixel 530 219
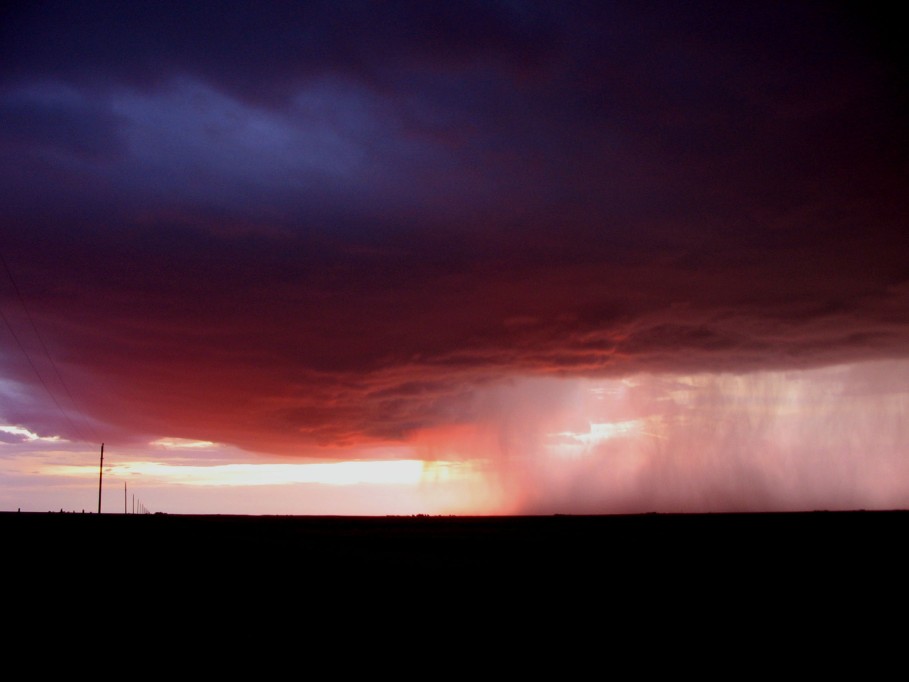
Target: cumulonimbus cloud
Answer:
pixel 338 225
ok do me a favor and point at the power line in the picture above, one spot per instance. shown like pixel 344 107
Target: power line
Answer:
pixel 40 378
pixel 50 359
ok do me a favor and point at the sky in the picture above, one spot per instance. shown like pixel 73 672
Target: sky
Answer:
pixel 453 258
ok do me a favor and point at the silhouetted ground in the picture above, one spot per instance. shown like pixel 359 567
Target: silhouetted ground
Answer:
pixel 585 546
pixel 498 573
pixel 556 597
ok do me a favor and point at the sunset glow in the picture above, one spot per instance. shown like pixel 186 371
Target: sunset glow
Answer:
pixel 827 438
pixel 403 472
pixel 468 258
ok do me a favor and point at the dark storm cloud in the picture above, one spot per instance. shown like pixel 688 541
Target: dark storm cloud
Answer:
pixel 54 122
pixel 326 222
pixel 261 50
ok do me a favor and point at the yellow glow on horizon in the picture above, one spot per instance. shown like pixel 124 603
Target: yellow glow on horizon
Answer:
pixel 183 444
pixel 436 471
pixel 387 472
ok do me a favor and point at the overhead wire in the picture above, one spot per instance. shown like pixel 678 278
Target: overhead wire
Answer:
pixel 50 359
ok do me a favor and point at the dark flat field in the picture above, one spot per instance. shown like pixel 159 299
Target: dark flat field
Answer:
pixel 575 545
pixel 421 572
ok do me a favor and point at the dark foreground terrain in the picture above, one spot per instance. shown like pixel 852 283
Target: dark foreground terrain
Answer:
pixel 653 546
pixel 797 571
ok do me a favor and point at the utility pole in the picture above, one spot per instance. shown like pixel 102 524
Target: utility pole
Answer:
pixel 124 497
pixel 100 477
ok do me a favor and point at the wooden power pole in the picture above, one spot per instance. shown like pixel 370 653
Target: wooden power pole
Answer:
pixel 100 477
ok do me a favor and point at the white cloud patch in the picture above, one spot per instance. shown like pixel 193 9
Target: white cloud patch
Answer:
pixel 25 435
